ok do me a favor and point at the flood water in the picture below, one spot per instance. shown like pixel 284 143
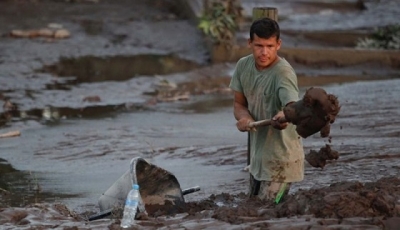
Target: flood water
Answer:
pixel 75 153
pixel 84 157
pixel 87 105
pixel 71 155
pixel 74 160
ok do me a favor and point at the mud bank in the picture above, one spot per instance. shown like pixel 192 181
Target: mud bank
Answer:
pixel 343 205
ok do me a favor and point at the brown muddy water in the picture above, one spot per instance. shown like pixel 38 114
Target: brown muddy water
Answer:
pixel 118 68
pixel 75 160
pixel 72 161
pixel 84 111
pixel 72 73
pixel 76 149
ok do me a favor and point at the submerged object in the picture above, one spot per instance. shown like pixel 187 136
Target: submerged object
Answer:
pixel 159 189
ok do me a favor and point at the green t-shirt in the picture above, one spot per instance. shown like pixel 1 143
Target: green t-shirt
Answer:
pixel 276 155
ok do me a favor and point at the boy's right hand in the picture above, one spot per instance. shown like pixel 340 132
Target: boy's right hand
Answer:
pixel 243 124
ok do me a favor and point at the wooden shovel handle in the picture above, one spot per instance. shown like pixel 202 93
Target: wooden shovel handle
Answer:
pixel 264 122
pixel 259 123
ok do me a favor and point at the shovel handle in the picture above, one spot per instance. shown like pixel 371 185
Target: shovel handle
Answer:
pixel 190 190
pixel 259 123
pixel 264 122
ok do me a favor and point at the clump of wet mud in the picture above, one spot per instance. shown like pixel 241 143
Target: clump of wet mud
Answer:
pixel 347 199
pixel 340 200
pixel 313 113
pixel 318 159
pixel 373 203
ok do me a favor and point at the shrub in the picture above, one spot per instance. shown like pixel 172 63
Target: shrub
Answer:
pixel 219 20
pixel 387 37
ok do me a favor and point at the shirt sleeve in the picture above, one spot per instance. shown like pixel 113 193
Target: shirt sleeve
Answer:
pixel 288 90
pixel 235 83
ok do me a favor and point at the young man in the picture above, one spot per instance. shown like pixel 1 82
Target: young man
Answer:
pixel 263 84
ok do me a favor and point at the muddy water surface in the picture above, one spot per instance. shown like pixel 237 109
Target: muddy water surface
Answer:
pixel 79 133
pixel 84 157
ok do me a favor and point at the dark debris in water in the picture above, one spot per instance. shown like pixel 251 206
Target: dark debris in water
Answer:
pixel 55 114
pixel 118 68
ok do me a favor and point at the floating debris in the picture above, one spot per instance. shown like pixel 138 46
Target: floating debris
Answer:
pixel 53 30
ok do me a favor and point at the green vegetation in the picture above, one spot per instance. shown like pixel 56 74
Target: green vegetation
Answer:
pixel 387 37
pixel 219 20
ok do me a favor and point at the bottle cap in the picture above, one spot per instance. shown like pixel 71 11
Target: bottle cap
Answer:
pixel 135 186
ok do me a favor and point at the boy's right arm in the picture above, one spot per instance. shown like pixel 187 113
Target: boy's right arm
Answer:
pixel 241 112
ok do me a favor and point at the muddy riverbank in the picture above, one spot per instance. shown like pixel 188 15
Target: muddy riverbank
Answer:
pixel 84 111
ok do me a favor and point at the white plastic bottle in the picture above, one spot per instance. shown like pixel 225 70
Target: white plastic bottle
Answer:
pixel 131 206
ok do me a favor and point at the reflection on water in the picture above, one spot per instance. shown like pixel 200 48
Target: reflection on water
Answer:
pixel 118 68
pixel 208 105
pixel 50 114
pixel 19 188
pixel 92 27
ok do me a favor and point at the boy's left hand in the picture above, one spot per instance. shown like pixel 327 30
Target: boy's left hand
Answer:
pixel 278 121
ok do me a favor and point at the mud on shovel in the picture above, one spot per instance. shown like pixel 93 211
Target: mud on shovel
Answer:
pixel 159 189
pixel 313 113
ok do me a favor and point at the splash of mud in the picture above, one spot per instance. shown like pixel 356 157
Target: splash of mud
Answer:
pixel 318 159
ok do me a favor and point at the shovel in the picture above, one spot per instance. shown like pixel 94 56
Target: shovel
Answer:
pixel 313 113
pixel 159 189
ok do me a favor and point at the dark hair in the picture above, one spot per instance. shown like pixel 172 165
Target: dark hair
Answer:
pixel 264 28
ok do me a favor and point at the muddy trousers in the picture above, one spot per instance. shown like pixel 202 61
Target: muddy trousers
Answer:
pixel 268 190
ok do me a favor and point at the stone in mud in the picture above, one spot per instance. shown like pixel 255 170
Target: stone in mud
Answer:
pixel 43 32
pixel 318 159
pixel 62 33
pixel 94 98
pixel 22 33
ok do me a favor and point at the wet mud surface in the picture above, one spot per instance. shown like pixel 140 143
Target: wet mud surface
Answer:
pixel 84 112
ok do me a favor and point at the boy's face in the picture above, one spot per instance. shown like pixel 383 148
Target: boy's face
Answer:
pixel 265 51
